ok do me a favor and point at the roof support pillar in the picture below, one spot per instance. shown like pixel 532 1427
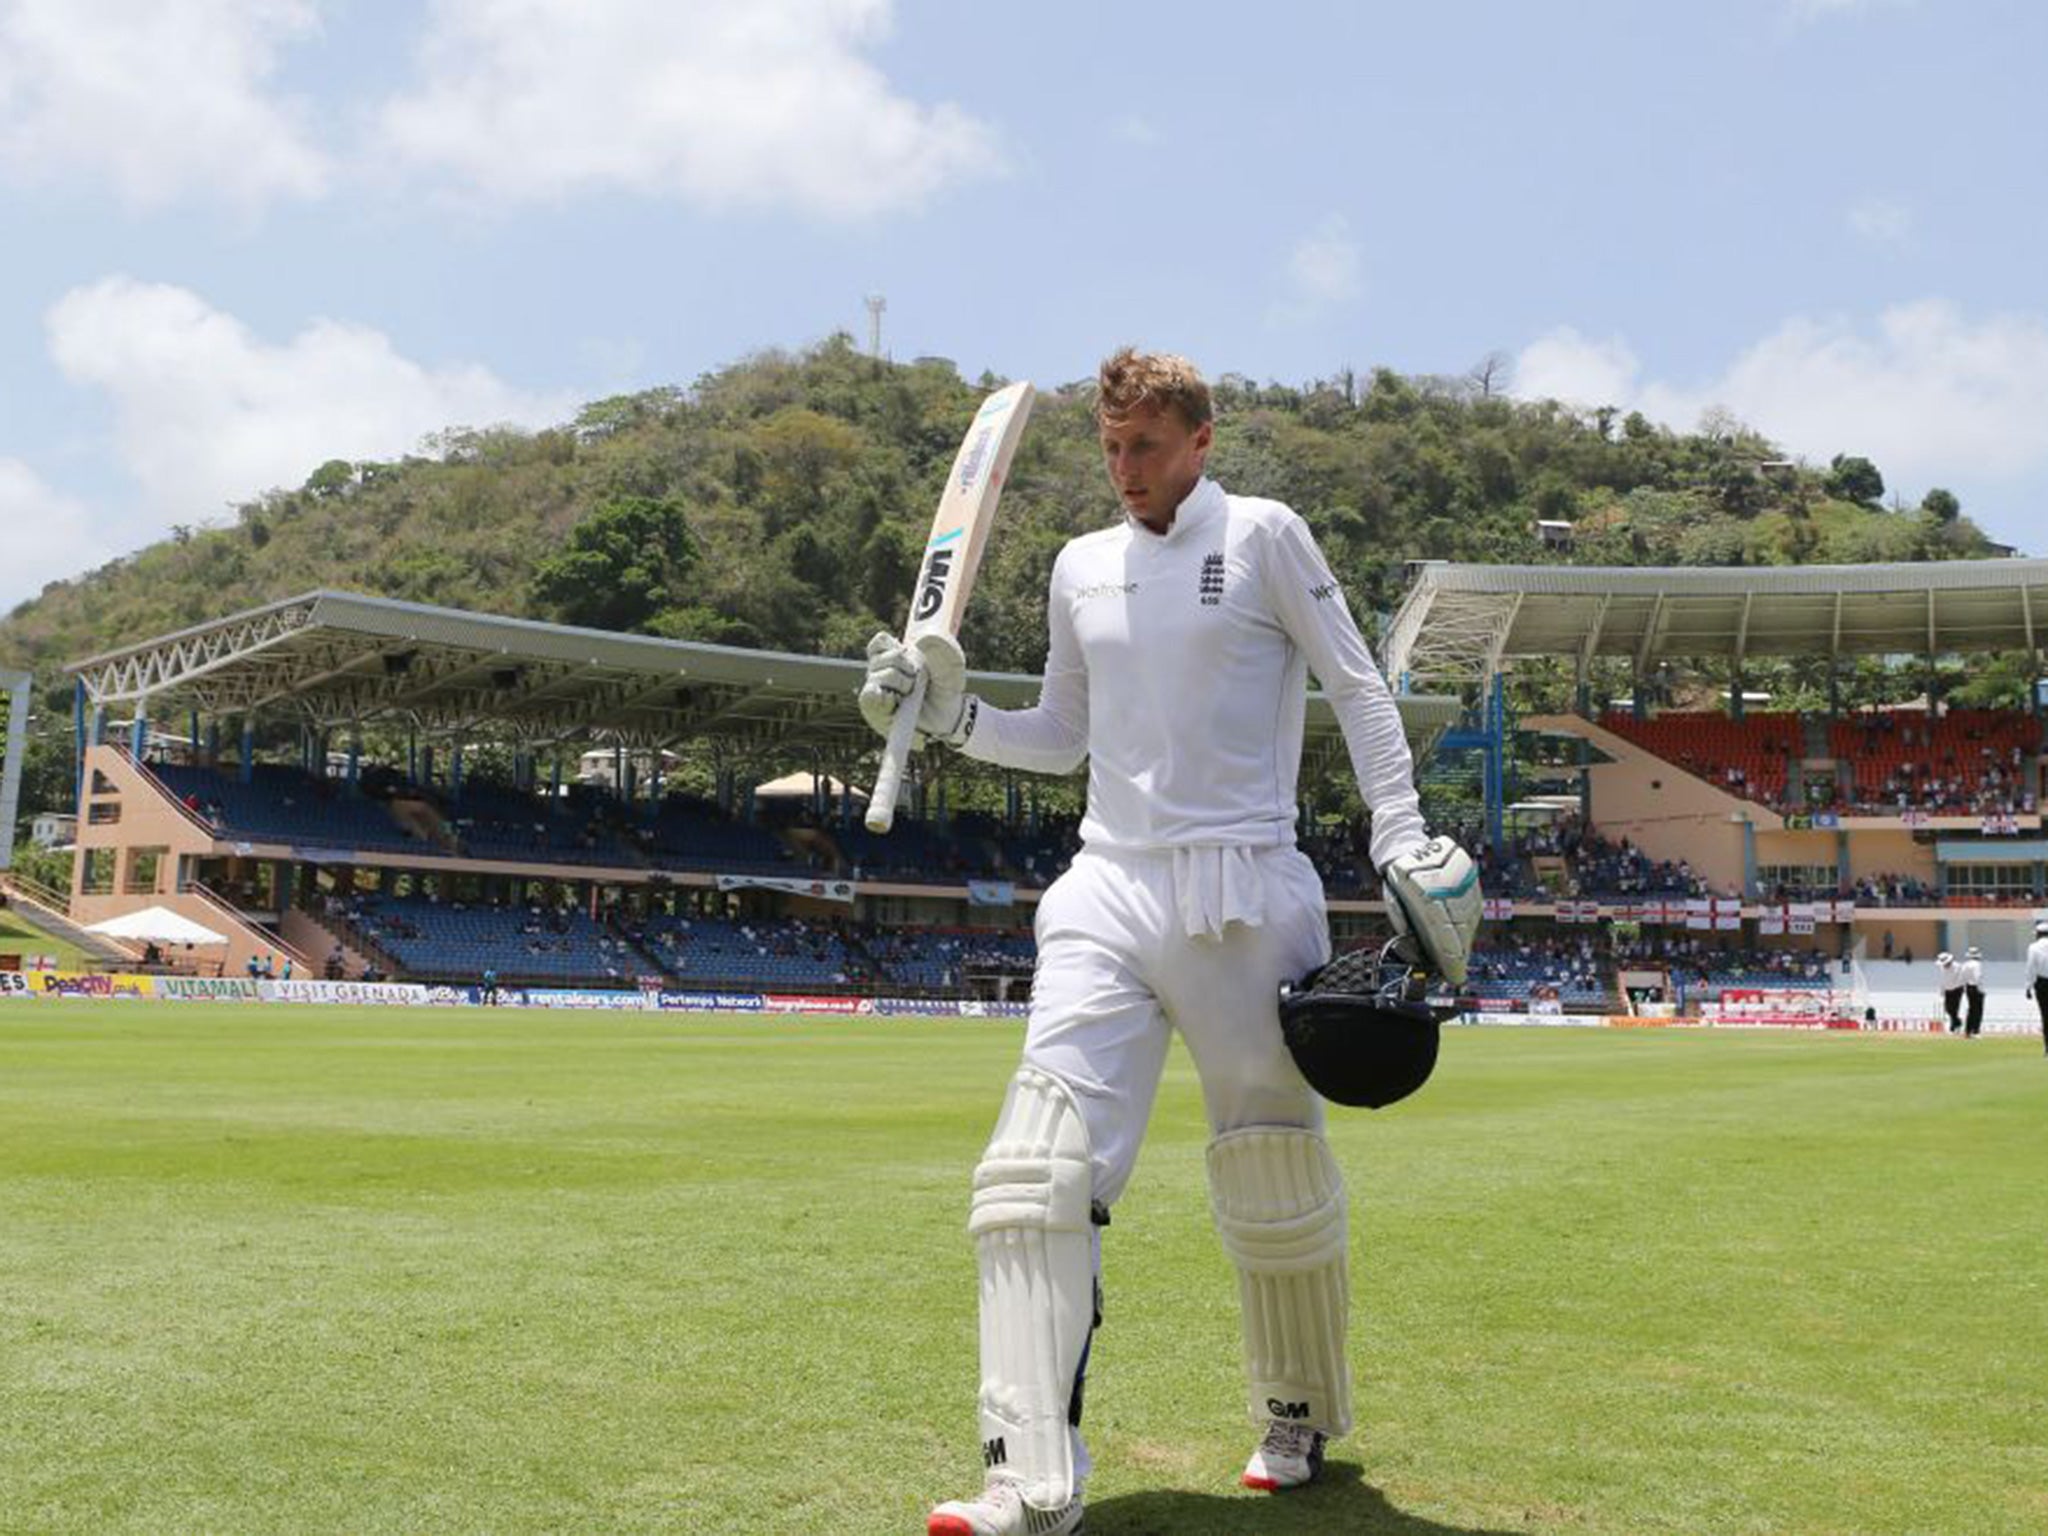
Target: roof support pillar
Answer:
pixel 1933 656
pixel 1590 645
pixel 78 742
pixel 1652 632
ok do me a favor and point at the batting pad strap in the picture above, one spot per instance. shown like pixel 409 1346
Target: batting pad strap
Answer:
pixel 1035 1247
pixel 1278 1199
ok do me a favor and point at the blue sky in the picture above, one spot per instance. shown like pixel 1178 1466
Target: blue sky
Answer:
pixel 244 236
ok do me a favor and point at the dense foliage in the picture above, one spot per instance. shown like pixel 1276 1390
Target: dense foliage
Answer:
pixel 781 503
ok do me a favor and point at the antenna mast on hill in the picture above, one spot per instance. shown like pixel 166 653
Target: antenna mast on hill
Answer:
pixel 876 304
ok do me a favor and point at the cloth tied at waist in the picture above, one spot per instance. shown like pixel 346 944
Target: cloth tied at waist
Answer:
pixel 1215 885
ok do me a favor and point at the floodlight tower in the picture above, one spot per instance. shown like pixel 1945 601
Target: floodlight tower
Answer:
pixel 14 694
pixel 876 304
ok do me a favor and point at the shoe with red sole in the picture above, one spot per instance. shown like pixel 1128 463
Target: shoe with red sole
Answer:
pixel 1001 1511
pixel 1289 1456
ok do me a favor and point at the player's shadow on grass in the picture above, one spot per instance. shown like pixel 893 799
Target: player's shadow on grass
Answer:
pixel 1340 1500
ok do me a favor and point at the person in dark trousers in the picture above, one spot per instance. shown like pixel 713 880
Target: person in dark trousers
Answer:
pixel 2037 975
pixel 1973 992
pixel 1949 977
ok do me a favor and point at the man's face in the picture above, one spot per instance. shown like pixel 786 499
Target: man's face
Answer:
pixel 1154 459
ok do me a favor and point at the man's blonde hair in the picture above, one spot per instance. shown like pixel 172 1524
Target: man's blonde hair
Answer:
pixel 1131 381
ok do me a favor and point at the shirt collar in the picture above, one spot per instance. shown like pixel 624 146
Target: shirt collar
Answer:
pixel 1204 504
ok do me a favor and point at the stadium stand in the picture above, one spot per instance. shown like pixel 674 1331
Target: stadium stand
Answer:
pixel 1751 757
pixel 1518 970
pixel 691 832
pixel 943 958
pixel 495 821
pixel 727 952
pixel 435 941
pixel 1960 762
pixel 287 805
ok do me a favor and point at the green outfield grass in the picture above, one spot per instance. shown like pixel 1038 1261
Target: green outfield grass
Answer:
pixel 302 1270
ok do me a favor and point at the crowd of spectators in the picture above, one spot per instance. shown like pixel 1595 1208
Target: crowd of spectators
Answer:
pixel 1558 965
pixel 1342 854
pixel 1941 762
pixel 1602 868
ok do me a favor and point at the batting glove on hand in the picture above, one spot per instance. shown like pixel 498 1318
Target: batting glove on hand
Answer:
pixel 892 674
pixel 1433 901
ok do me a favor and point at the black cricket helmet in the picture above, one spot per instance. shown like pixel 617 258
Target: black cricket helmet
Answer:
pixel 1359 1029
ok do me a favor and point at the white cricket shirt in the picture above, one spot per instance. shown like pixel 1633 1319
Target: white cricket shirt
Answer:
pixel 1178 666
pixel 2037 962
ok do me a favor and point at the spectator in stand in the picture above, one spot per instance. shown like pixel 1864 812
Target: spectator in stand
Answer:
pixel 1973 991
pixel 2037 976
pixel 1948 976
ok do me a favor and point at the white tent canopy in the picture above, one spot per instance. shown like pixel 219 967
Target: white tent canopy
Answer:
pixel 157 925
pixel 799 785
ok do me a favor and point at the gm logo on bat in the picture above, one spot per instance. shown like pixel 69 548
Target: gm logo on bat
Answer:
pixel 938 570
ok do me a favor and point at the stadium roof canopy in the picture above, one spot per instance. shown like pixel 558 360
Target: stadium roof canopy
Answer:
pixel 1458 623
pixel 335 659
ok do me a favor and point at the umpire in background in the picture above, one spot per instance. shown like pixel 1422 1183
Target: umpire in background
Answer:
pixel 2037 975
pixel 1973 992
pixel 1949 977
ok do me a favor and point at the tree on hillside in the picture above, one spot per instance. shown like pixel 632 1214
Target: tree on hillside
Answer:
pixel 1854 478
pixel 1941 505
pixel 625 564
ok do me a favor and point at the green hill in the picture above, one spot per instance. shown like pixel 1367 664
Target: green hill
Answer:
pixel 781 502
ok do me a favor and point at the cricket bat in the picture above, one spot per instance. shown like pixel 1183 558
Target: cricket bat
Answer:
pixel 951 557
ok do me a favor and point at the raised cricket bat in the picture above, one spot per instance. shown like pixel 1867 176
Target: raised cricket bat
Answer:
pixel 951 557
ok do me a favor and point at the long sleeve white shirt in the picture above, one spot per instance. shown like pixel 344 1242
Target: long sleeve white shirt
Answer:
pixel 1178 666
pixel 2037 962
pixel 1949 976
pixel 1972 973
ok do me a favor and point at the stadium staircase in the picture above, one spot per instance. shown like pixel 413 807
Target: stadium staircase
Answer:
pixel 246 937
pixel 316 935
pixel 44 910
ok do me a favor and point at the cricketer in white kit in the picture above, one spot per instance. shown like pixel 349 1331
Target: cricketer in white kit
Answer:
pixel 1181 640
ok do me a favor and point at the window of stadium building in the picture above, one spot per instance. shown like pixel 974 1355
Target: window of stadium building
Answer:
pixel 1793 880
pixel 98 878
pixel 1991 882
pixel 143 865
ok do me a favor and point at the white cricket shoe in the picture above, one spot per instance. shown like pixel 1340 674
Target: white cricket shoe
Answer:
pixel 1001 1511
pixel 1290 1455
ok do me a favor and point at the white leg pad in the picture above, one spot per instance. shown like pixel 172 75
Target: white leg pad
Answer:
pixel 1035 1243
pixel 1279 1203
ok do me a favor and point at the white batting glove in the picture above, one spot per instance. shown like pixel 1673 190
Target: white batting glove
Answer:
pixel 892 673
pixel 1434 903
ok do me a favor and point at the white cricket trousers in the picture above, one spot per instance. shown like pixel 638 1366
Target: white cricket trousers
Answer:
pixel 1118 972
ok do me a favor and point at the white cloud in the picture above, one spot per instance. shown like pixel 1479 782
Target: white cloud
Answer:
pixel 1322 271
pixel 161 98
pixel 725 103
pixel 1884 221
pixel 1134 128
pixel 48 534
pixel 1576 369
pixel 207 414
pixel 1928 393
